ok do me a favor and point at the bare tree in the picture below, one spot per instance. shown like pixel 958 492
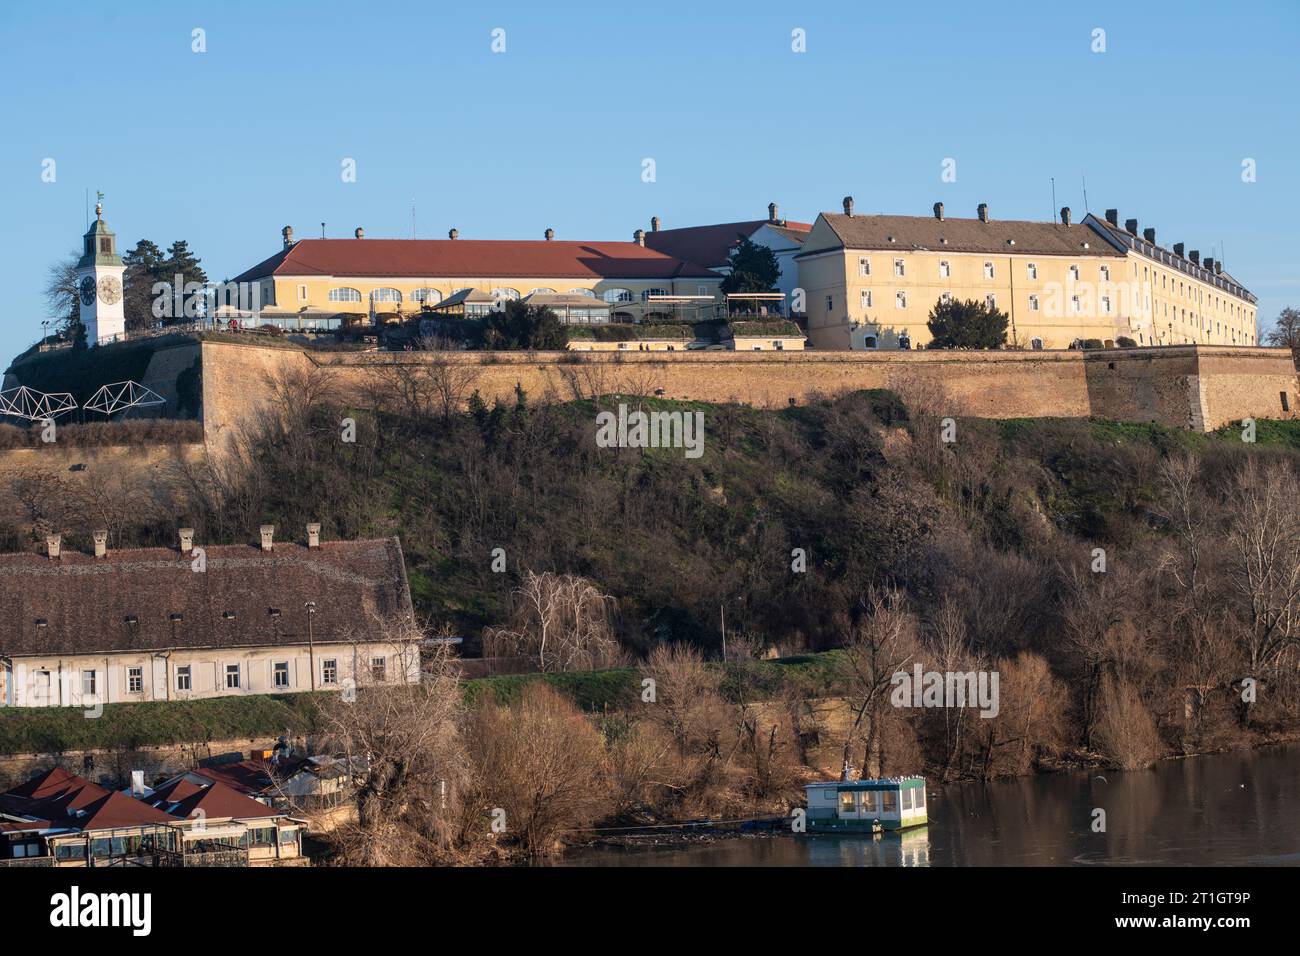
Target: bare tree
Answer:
pixel 876 648
pixel 562 621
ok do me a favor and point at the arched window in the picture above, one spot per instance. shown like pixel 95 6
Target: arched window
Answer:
pixel 345 295
pixel 614 296
pixel 869 342
pixel 385 295
pixel 645 296
pixel 505 293
pixel 426 296
pixel 586 292
pixel 542 291
pixel 1036 344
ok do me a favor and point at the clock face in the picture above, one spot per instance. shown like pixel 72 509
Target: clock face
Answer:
pixel 110 290
pixel 88 290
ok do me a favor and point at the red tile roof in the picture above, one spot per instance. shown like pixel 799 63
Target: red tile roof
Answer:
pixel 219 802
pixel 119 810
pixel 65 800
pixel 712 244
pixel 465 258
pixel 246 776
pixel 88 603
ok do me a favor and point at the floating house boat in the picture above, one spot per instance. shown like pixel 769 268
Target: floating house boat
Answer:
pixel 866 806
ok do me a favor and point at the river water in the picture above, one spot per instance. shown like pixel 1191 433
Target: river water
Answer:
pixel 1240 808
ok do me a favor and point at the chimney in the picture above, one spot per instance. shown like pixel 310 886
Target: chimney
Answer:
pixel 550 234
pixel 1218 266
pixel 101 543
pixel 1209 263
pixel 268 536
pixel 654 223
pixel 982 210
pixel 771 212
pixel 1178 249
pixel 360 233
pixel 1112 216
pixel 1149 235
pixel 287 232
pixel 453 233
pixel 187 540
pixel 1065 215
pixel 52 544
pixel 137 783
pixel 938 211
pixel 848 205
pixel 639 237
pixel 313 534
pixel 1131 225
pixel 1195 256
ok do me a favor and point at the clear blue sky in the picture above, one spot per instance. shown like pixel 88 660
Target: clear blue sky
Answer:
pixel 225 147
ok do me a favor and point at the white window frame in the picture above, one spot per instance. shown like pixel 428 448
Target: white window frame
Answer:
pixel 382 664
pixel 988 270
pixel 89 683
pixel 135 680
pixel 1104 272
pixel 1033 303
pixel 1032 269
pixel 278 668
pixel 864 295
pixel 945 269
pixel 864 266
pixel 184 677
pixel 329 672
pixel 900 299
pixel 900 268
pixel 1074 273
pixel 234 670
pixel 302 293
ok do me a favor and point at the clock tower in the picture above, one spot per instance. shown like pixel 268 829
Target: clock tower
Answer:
pixel 99 283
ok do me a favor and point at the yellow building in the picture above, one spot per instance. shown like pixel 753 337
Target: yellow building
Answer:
pixel 1180 298
pixel 368 280
pixel 870 281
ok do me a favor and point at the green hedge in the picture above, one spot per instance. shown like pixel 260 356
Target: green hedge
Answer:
pixel 157 723
pixel 765 328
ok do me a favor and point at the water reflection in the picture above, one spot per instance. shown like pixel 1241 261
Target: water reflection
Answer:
pixel 1236 808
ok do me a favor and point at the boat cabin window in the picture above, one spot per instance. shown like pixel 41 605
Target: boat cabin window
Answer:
pixel 919 795
pixel 891 800
pixel 846 802
pixel 871 801
pixel 907 799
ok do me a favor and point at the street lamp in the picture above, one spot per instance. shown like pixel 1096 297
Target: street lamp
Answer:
pixel 45 332
pixel 310 607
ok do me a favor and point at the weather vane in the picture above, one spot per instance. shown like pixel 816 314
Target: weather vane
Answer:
pixel 99 204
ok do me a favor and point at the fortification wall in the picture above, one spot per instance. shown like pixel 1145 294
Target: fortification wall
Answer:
pixel 1200 387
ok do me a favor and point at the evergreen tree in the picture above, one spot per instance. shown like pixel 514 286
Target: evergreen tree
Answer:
pixel 754 268
pixel 144 268
pixel 967 325
pixel 181 262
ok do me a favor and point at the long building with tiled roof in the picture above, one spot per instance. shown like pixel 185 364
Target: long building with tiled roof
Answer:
pixel 84 630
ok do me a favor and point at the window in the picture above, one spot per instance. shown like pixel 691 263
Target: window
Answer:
pixel 864 267
pixel 891 801
pixel 900 299
pixel 991 301
pixel 542 291
pixel 385 295
pixel 945 297
pixel 846 802
pixel 918 798
pixel 702 289
pixel 906 803
pixel 945 269
pixel 830 303
pixel 1032 269
pixel 988 270
pixel 1074 303
pixel 866 298
pixel 232 677
pixel 899 268
pixel 645 296
pixel 329 672
pixel 905 342
pixel 1105 273
pixel 183 681
pixel 345 295
pixel 106 246
pixel 426 296
pixel 378 669
pixel 135 680
pixel 1033 303
pixel 1105 303
pixel 869 342
pixel 302 293
pixel 280 674
pixel 1036 344
pixel 1074 273
pixel 88 683
pixel 613 296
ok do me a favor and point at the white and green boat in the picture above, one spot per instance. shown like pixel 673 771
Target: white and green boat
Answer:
pixel 865 806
